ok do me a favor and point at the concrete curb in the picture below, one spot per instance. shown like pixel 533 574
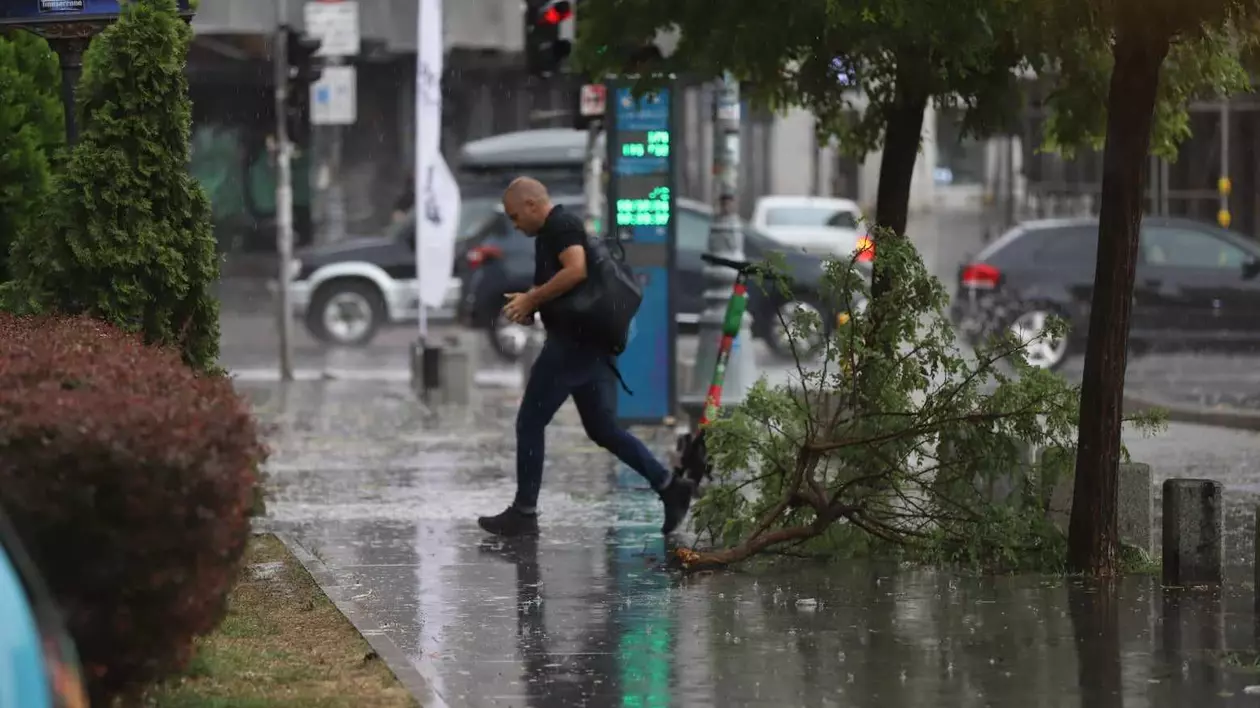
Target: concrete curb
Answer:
pixel 1233 418
pixel 394 657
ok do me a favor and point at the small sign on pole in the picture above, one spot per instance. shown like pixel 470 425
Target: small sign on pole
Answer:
pixel 594 96
pixel 334 99
pixel 335 23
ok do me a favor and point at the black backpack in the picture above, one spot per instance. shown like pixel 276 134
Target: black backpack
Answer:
pixel 601 308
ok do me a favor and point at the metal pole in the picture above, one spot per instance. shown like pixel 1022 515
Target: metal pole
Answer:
pixel 815 176
pixel 592 175
pixel 1224 186
pixel 1008 170
pixel 284 191
pixel 332 190
pixel 70 52
pixel 1163 187
pixel 726 239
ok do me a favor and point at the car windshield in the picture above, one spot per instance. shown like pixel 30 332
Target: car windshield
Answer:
pixel 811 216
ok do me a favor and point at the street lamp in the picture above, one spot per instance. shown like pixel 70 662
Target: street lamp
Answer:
pixel 69 26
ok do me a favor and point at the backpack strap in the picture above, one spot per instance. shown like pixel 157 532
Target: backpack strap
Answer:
pixel 620 379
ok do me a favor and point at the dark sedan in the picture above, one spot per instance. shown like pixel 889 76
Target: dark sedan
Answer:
pixel 501 260
pixel 1196 287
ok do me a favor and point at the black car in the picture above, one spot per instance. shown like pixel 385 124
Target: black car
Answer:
pixel 1196 287
pixel 500 260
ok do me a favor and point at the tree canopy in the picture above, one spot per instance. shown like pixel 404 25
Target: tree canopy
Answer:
pixel 867 70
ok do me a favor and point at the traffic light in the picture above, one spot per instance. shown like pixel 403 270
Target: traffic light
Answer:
pixel 304 70
pixel 545 49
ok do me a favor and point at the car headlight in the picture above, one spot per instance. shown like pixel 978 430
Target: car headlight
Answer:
pixel 295 269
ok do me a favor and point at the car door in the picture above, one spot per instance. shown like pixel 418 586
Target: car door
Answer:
pixel 692 233
pixel 1195 279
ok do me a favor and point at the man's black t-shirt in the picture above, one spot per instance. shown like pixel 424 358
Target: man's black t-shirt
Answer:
pixel 560 231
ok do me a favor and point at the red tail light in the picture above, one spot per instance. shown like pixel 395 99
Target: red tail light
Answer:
pixel 981 276
pixel 865 250
pixel 478 256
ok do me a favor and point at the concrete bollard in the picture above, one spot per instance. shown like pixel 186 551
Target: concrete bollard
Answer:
pixel 458 369
pixel 1194 532
pixel 426 368
pixel 1135 500
pixel 1135 506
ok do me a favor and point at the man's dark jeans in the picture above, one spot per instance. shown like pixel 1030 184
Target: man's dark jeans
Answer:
pixel 566 369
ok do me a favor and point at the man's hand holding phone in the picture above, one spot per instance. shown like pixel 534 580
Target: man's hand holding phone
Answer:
pixel 519 308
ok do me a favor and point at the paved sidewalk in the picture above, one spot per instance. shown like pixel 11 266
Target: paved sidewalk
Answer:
pixel 381 501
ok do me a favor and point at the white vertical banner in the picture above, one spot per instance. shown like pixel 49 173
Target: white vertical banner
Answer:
pixel 438 199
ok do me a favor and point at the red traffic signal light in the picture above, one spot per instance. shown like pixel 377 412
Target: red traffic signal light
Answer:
pixel 557 12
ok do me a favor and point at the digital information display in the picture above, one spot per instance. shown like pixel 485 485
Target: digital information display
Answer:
pixel 641 205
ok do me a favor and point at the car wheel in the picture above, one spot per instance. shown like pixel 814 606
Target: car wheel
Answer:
pixel 507 338
pixel 346 313
pixel 780 340
pixel 1041 352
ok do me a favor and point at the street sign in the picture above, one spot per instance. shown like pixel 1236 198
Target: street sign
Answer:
pixel 37 12
pixel 61 5
pixel 334 99
pixel 593 100
pixel 335 23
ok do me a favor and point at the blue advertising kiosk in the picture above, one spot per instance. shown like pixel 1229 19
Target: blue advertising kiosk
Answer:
pixel 641 208
pixel 69 26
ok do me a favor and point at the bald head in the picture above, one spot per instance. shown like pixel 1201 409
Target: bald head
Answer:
pixel 527 204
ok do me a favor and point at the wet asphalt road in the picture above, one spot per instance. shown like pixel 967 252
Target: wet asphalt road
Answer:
pixel 385 496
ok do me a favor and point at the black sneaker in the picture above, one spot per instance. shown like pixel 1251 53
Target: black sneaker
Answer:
pixel 677 500
pixel 510 523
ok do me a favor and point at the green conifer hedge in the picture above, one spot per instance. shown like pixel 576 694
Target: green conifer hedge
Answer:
pixel 130 239
pixel 31 132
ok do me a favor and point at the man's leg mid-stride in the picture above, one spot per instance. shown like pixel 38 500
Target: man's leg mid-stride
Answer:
pixel 545 392
pixel 595 400
pixel 563 369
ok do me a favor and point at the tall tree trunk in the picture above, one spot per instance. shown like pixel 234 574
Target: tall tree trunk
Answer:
pixel 896 166
pixel 1131 106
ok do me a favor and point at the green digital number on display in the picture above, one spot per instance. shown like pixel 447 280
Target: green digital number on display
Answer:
pixel 657 145
pixel 652 211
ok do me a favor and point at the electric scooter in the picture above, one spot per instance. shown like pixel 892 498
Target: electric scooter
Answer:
pixel 693 457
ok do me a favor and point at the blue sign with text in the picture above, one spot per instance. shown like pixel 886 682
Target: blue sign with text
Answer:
pixel 34 12
pixel 641 206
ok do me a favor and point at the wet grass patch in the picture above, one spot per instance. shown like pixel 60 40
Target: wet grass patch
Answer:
pixel 283 645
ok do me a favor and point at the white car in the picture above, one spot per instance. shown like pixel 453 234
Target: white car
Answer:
pixel 825 226
pixel 348 290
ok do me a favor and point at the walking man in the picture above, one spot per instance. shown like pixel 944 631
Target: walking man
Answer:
pixel 566 366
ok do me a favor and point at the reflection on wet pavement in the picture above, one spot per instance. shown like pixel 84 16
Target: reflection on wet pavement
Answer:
pixel 386 498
